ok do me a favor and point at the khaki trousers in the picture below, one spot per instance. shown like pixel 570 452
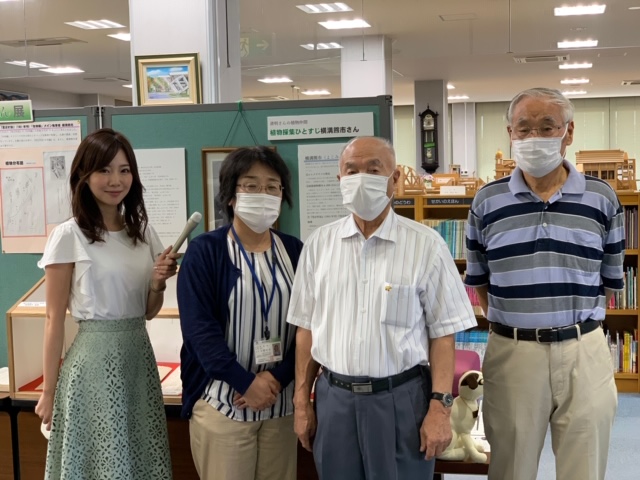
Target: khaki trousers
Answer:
pixel 528 386
pixel 225 449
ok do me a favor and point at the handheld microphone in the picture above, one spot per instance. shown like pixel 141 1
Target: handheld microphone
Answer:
pixel 192 223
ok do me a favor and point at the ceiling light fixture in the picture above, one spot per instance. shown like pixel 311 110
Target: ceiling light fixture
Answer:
pixel 121 36
pixel 458 97
pixel 450 87
pixel 316 92
pixel 61 70
pixel 634 8
pixel 129 85
pixel 579 10
pixel 23 63
pixel 325 8
pixel 574 92
pixel 321 46
pixel 275 80
pixel 94 24
pixel 573 66
pixel 344 24
pixel 574 81
pixel 578 43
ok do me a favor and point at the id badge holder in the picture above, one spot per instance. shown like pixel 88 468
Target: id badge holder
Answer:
pixel 267 351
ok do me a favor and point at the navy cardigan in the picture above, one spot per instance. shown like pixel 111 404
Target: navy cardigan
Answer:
pixel 205 282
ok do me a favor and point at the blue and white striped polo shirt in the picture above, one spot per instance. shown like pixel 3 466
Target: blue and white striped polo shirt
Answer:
pixel 546 264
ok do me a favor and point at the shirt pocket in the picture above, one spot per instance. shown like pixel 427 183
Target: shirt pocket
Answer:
pixel 401 305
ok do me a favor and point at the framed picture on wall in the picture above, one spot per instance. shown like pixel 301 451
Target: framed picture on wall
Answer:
pixel 168 79
pixel 213 210
pixel 212 158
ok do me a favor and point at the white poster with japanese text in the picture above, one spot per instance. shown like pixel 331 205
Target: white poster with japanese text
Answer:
pixel 320 196
pixel 338 125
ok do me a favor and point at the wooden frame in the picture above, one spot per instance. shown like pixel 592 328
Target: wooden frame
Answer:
pixel 212 158
pixel 211 161
pixel 168 79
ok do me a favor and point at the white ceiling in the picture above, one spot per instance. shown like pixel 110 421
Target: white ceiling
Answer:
pixel 476 55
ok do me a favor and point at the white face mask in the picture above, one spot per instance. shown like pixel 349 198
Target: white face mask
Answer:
pixel 258 211
pixel 538 156
pixel 364 194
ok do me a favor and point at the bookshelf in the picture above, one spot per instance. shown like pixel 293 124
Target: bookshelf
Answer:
pixel 625 317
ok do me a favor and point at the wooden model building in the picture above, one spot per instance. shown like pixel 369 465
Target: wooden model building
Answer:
pixel 409 183
pixel 504 167
pixel 613 166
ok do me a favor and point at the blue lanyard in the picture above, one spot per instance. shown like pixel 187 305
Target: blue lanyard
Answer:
pixel 266 306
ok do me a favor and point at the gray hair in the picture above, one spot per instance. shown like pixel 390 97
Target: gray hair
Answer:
pixel 384 143
pixel 554 96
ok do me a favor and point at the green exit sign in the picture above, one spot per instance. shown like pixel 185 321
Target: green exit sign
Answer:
pixel 256 45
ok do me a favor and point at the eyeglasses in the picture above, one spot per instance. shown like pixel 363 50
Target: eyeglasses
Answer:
pixel 269 189
pixel 547 130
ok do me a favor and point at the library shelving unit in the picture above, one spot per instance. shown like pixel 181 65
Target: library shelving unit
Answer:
pixel 627 319
pixel 620 320
pixel 25 336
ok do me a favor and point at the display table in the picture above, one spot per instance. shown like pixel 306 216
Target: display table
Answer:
pixel 6 437
pixel 461 468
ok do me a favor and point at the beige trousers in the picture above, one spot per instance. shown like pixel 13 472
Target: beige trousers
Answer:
pixel 225 449
pixel 529 386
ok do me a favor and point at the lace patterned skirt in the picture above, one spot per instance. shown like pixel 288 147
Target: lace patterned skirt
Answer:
pixel 108 416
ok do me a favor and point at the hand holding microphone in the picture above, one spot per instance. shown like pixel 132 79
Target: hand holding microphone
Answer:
pixel 192 223
pixel 166 264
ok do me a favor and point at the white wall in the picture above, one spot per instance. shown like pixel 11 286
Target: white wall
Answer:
pixel 46 99
pixel 600 124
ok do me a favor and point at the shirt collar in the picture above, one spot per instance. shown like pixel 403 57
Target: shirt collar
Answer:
pixel 575 182
pixel 386 231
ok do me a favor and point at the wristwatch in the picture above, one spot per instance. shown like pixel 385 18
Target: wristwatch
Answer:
pixel 445 398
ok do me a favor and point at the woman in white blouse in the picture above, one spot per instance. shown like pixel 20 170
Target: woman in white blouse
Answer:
pixel 106 265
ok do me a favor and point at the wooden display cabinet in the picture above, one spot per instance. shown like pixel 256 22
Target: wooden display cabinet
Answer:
pixel 25 336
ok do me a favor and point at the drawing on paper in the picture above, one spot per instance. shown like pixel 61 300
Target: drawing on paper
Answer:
pixel 57 166
pixel 23 210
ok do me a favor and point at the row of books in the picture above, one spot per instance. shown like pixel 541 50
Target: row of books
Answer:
pixel 631 227
pixel 627 298
pixel 624 351
pixel 474 340
pixel 453 232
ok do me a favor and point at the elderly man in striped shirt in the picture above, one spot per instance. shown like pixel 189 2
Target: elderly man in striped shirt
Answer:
pixel 376 299
pixel 545 253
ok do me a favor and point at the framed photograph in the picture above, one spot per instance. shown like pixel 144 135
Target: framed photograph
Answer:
pixel 213 210
pixel 212 158
pixel 168 79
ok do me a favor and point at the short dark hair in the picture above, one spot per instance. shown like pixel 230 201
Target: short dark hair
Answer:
pixel 95 152
pixel 239 162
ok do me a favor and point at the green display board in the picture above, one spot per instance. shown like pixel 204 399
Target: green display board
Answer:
pixel 18 272
pixel 195 127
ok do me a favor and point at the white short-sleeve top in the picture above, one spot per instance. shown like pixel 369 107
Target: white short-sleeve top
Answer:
pixel 110 279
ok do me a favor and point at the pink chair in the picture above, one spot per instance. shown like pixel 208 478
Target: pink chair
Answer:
pixel 465 360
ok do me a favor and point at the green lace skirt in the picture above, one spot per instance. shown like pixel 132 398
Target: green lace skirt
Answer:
pixel 108 416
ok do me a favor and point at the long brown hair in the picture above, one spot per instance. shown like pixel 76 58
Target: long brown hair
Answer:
pixel 96 152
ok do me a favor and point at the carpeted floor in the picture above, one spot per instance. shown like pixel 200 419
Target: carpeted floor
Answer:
pixel 624 454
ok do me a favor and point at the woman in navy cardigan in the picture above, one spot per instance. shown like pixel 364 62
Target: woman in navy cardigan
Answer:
pixel 238 353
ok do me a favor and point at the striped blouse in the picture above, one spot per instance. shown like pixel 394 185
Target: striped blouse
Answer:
pixel 246 326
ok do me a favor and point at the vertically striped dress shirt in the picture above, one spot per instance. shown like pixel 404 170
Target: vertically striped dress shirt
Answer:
pixel 371 304
pixel 246 326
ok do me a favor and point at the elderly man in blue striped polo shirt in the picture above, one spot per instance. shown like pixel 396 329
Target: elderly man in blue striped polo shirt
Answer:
pixel 545 254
